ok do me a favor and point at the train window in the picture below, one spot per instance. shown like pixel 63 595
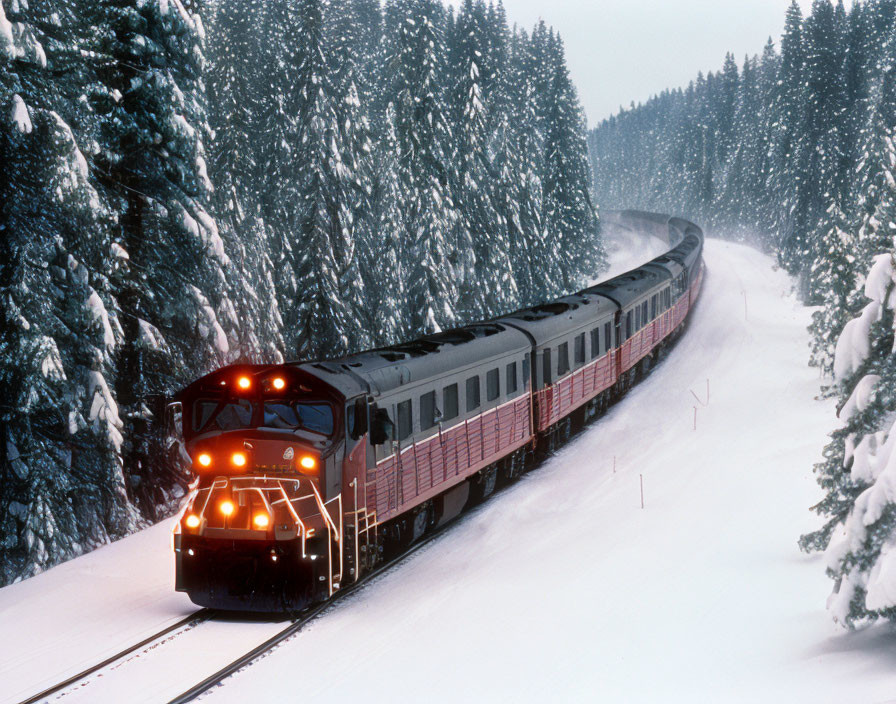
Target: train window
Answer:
pixel 405 422
pixel 356 419
pixel 595 343
pixel 580 350
pixel 546 369
pixel 637 318
pixel 628 325
pixel 472 393
pixel 428 412
pixel 563 359
pixel 307 415
pixel 233 415
pixel 449 402
pixel 652 307
pixel 492 384
pixel 526 369
pixel 608 337
pixel 668 298
pixel 644 314
pixel 511 378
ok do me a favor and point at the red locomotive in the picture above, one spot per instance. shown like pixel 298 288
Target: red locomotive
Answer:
pixel 310 474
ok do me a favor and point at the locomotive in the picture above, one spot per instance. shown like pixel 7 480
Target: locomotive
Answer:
pixel 310 474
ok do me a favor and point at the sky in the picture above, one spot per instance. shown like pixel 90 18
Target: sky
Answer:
pixel 621 51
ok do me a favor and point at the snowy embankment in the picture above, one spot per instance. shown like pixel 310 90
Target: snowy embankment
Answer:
pixel 561 588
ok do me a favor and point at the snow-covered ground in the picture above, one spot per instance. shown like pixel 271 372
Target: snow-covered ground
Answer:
pixel 561 588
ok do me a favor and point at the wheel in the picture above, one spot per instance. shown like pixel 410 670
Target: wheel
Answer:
pixel 484 484
pixel 423 521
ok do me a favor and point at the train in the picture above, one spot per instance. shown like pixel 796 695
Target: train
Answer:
pixel 312 474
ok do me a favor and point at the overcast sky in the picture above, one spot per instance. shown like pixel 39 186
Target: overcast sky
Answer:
pixel 621 51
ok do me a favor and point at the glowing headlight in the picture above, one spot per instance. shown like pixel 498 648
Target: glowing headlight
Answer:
pixel 279 383
pixel 238 459
pixel 193 521
pixel 308 462
pixel 261 520
pixel 226 508
pixel 244 382
pixel 204 459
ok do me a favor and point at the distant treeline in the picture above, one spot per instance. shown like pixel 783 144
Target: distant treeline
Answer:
pixel 795 150
pixel 185 184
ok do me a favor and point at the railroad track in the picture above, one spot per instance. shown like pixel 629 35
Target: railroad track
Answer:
pixel 302 620
pixel 193 619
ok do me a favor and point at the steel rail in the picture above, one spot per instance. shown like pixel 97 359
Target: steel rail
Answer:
pixel 299 623
pixel 196 617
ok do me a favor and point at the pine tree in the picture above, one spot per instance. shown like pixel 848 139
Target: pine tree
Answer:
pixel 859 506
pixel 152 161
pixel 423 138
pixel 478 230
pixel 382 252
pixel 325 321
pixel 61 486
pixel 833 273
pixel 572 245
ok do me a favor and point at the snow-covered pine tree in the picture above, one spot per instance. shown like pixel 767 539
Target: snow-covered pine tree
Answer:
pixel 148 58
pixel 234 78
pixel 860 506
pixel 354 167
pixel 786 181
pixel 478 231
pixel 322 321
pixel 61 486
pixel 424 138
pixel 516 169
pixel 382 248
pixel 825 110
pixel 572 242
pixel 833 274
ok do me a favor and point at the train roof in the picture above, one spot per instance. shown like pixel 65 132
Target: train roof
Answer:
pixel 431 356
pixel 627 288
pixel 562 316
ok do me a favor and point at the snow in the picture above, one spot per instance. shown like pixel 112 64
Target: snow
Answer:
pixel 98 313
pixel 50 359
pixel 561 588
pixel 151 337
pixel 104 410
pixel 20 115
pixel 861 396
pixel 7 45
pixel 853 346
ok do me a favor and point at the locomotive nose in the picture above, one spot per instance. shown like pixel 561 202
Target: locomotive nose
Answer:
pixel 243 454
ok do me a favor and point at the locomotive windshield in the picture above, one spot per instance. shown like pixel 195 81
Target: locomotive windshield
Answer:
pixel 314 416
pixel 209 415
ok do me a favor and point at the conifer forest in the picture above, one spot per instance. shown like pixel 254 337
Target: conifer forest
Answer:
pixel 190 183
pixel 794 151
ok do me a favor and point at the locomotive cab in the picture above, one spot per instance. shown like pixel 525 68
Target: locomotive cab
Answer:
pixel 263 529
